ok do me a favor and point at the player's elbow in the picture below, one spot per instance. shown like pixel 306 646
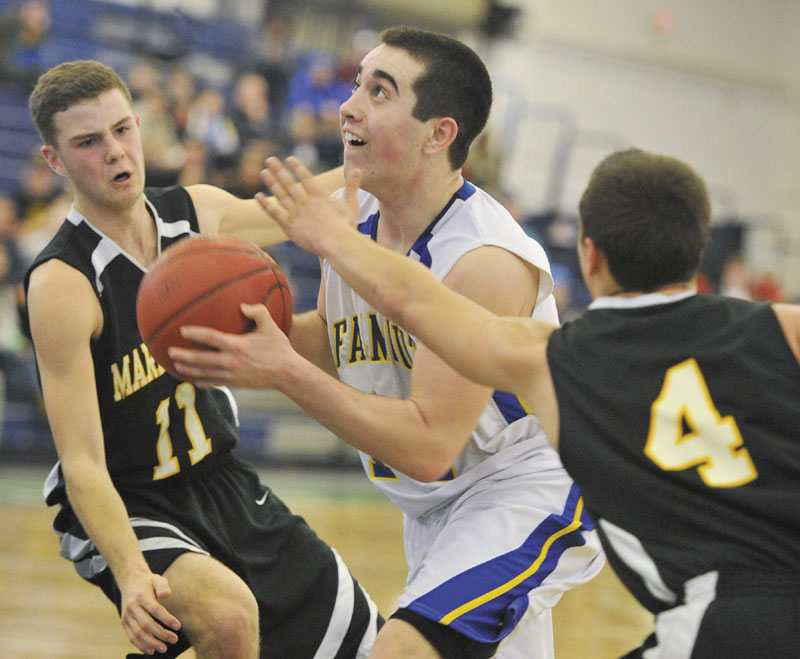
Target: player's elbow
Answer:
pixel 428 473
pixel 432 467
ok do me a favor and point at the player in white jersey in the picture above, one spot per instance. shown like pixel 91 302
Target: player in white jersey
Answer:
pixel 495 530
pixel 375 355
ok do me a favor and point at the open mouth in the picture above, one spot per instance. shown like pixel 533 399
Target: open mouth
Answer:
pixel 353 140
pixel 122 177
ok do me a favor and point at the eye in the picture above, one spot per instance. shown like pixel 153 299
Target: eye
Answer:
pixel 379 92
pixel 87 142
pixel 121 130
pixel 353 87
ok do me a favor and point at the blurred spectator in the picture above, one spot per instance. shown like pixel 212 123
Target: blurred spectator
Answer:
pixel 274 57
pixel 26 50
pixel 39 188
pixel 316 86
pixel 195 168
pixel 33 238
pixel 565 281
pixel 164 152
pixel 210 122
pixel 767 287
pixel 739 280
pixel 315 93
pixel 483 165
pixel 143 78
pixel 252 115
pixel 17 368
pixel 247 177
pixel 363 41
pixel 703 283
pixel 181 89
pixel 736 278
pixel 302 131
pixel 9 232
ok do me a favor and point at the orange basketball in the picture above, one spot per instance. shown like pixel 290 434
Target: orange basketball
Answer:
pixel 202 280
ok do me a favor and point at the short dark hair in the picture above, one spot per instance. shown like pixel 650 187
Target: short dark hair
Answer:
pixel 67 84
pixel 650 216
pixel 455 83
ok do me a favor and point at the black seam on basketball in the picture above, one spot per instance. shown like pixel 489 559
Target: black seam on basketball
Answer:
pixel 211 292
pixel 280 287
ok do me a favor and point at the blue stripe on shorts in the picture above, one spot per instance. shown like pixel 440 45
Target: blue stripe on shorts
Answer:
pixel 487 601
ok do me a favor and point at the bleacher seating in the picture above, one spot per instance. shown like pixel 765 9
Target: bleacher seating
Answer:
pixel 112 32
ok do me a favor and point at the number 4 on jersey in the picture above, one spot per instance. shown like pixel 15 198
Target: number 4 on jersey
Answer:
pixel 686 430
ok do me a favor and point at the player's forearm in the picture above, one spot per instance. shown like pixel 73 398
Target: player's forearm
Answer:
pixel 389 429
pixel 251 223
pixel 394 284
pixel 309 337
pixel 245 217
pixel 104 517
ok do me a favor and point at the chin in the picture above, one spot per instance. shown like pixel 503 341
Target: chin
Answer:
pixel 349 168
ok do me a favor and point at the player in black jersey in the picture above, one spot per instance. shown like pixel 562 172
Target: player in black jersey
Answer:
pixel 155 508
pixel 676 413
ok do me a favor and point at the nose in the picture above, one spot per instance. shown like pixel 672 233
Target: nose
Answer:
pixel 350 108
pixel 114 149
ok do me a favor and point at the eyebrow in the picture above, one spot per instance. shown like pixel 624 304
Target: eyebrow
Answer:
pixel 86 136
pixel 380 73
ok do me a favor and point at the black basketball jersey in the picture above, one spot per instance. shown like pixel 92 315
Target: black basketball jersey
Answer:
pixel 155 426
pixel 680 421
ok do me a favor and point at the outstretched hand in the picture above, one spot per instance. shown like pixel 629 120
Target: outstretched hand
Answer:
pixel 300 207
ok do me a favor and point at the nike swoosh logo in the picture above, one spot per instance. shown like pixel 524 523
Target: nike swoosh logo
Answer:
pixel 260 502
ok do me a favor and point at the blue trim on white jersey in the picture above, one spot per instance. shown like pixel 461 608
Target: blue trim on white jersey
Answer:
pixel 509 405
pixel 369 227
pixel 419 249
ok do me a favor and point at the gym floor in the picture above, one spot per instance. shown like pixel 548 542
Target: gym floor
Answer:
pixel 48 612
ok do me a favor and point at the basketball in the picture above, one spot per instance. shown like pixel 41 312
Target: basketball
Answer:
pixel 202 280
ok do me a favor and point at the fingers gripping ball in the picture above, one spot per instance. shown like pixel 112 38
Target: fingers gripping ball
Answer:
pixel 202 280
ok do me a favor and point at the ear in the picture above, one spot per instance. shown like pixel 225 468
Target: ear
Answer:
pixel 592 261
pixel 593 257
pixel 53 160
pixel 444 131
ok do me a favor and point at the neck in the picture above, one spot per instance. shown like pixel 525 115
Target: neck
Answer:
pixel 671 289
pixel 403 217
pixel 131 228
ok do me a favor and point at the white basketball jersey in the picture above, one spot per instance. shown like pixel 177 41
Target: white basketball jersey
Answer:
pixel 375 355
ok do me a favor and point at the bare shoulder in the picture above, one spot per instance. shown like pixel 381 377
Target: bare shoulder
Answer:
pixel 789 318
pixel 496 278
pixel 52 278
pixel 60 300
